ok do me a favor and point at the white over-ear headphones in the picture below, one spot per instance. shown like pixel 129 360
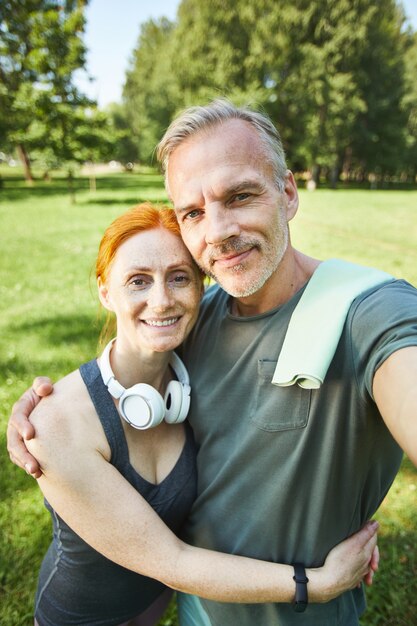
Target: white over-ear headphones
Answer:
pixel 142 406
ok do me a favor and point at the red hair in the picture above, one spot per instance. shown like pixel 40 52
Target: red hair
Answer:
pixel 140 218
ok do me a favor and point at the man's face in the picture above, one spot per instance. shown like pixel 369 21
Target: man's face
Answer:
pixel 233 217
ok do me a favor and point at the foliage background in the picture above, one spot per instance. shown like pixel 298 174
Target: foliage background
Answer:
pixel 337 77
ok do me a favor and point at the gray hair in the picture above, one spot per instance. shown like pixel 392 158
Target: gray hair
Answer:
pixel 199 118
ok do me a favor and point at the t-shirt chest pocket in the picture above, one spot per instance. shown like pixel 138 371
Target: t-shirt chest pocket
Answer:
pixel 278 408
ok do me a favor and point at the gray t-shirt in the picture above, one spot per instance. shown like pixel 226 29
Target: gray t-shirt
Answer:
pixel 284 474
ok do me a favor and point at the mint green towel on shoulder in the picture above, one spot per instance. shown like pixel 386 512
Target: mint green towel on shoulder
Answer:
pixel 317 321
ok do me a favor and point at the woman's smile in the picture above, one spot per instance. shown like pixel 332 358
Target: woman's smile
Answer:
pixel 154 289
pixel 159 323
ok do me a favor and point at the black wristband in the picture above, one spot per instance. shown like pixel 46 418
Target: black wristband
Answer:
pixel 301 593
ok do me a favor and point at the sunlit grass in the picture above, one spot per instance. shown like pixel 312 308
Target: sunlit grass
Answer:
pixel 48 324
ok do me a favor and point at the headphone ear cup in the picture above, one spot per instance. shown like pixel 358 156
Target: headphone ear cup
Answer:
pixel 142 406
pixel 177 402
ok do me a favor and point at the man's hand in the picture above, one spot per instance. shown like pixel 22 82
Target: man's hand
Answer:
pixel 20 429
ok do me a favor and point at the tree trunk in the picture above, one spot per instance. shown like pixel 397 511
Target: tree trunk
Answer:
pixel 92 177
pixel 24 157
pixel 315 173
pixel 70 180
pixel 347 163
pixel 334 174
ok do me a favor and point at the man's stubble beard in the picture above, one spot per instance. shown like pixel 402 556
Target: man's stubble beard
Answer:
pixel 272 256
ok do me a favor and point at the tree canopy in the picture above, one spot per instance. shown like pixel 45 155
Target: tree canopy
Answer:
pixel 41 110
pixel 335 76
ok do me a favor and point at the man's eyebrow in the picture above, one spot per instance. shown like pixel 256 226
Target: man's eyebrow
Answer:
pixel 243 185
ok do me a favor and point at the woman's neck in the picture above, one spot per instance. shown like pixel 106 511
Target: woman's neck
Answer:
pixel 131 367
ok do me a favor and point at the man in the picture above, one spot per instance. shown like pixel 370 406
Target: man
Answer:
pixel 284 473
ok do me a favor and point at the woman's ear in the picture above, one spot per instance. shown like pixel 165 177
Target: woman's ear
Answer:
pixel 103 294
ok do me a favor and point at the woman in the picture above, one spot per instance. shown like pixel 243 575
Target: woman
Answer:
pixel 114 483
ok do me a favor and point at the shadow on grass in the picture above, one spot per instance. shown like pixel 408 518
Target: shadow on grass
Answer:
pixel 78 334
pixel 77 329
pixel 127 181
pixel 362 186
pixel 15 189
pixel 129 201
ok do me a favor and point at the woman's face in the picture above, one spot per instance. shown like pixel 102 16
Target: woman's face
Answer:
pixel 154 288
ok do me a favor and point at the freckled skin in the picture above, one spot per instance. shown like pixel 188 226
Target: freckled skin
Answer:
pixel 152 279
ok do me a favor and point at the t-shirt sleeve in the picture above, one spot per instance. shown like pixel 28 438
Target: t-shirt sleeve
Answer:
pixel 382 321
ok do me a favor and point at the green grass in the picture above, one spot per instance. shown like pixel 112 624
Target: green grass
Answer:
pixel 48 324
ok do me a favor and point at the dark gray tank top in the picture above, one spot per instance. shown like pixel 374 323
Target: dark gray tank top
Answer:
pixel 77 585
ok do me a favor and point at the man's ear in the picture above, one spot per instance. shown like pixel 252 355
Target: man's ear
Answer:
pixel 103 294
pixel 291 194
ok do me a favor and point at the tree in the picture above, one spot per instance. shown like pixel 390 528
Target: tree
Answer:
pixel 323 77
pixel 41 48
pixel 210 45
pixel 330 74
pixel 378 136
pixel 150 93
pixel 124 147
pixel 75 135
pixel 409 105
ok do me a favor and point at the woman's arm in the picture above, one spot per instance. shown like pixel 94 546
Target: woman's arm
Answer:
pixel 107 512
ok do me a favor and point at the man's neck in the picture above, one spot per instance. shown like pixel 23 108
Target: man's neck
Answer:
pixel 293 272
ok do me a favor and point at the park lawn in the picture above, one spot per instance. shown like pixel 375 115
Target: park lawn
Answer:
pixel 49 324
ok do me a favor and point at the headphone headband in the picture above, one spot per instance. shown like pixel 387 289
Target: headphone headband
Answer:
pixel 142 406
pixel 117 389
